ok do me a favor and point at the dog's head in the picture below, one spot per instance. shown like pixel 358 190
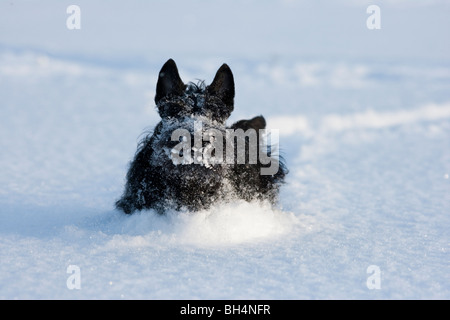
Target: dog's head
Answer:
pixel 174 99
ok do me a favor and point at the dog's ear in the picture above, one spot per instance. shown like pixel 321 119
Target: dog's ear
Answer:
pixel 256 123
pixel 169 81
pixel 223 85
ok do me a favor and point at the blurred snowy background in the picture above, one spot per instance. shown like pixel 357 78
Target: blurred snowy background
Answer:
pixel 364 120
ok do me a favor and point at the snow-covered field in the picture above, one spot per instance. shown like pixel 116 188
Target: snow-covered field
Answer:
pixel 364 120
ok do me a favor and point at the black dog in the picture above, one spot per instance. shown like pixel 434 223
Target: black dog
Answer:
pixel 169 171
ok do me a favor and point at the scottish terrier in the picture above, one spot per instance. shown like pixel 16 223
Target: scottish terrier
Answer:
pixel 170 171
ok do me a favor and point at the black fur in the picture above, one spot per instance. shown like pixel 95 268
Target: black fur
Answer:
pixel 155 182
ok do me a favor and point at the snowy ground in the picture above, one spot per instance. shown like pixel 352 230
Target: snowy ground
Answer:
pixel 365 131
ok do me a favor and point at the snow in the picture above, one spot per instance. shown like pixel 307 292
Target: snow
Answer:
pixel 364 125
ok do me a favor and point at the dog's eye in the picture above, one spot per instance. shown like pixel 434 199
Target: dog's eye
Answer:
pixel 175 107
pixel 172 109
